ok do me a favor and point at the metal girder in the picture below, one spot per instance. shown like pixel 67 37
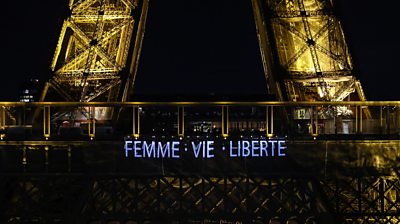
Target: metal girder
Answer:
pixel 141 26
pixel 345 90
pixel 104 39
pixel 309 42
pixel 338 75
pixel 297 14
pixel 236 198
pixel 265 48
pixel 94 46
pixel 94 75
pixel 56 86
pixel 45 182
pixel 365 199
pixel 336 58
pixel 59 45
pixel 306 46
pixel 102 90
pixel 361 94
pixel 93 18
pixel 316 37
pixel 276 4
pixel 87 41
pixel 82 5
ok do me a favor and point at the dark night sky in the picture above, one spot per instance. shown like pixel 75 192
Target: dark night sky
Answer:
pixel 198 46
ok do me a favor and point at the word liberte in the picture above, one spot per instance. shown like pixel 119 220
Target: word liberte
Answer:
pixel 204 149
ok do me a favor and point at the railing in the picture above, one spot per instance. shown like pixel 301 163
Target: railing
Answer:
pixel 96 120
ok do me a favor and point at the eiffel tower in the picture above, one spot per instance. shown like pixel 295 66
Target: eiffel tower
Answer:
pixel 304 52
pixel 307 65
pixel 96 41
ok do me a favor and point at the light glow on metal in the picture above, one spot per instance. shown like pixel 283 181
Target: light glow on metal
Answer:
pixel 311 50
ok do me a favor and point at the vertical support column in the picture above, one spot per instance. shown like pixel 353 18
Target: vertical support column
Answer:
pixel 69 152
pixel 381 119
pixel 225 121
pixel 356 112
pixel 135 122
pixel 359 118
pixel 24 156
pixel 2 122
pixel 181 121
pixel 46 158
pixel 397 120
pixel 92 123
pixel 387 118
pixel 382 197
pixel 46 122
pixel 269 122
pixel 314 122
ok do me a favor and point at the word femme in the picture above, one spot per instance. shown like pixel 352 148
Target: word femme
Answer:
pixel 204 149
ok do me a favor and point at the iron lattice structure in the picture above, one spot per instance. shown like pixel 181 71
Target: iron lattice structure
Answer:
pixel 167 200
pixel 262 199
pixel 305 57
pixel 304 50
pixel 97 42
pixel 72 182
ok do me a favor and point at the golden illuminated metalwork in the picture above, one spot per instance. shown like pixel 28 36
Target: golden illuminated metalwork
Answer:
pixel 95 44
pixel 225 121
pixel 354 181
pixel 136 122
pixel 2 121
pixel 303 37
pixel 304 51
pixel 181 121
pixel 352 175
pixel 269 121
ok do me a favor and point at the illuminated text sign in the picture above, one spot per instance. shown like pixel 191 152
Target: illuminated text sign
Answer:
pixel 204 149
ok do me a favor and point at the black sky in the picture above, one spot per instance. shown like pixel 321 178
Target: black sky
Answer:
pixel 198 46
pixel 201 46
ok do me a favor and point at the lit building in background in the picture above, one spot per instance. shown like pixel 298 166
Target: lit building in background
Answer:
pixel 29 90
